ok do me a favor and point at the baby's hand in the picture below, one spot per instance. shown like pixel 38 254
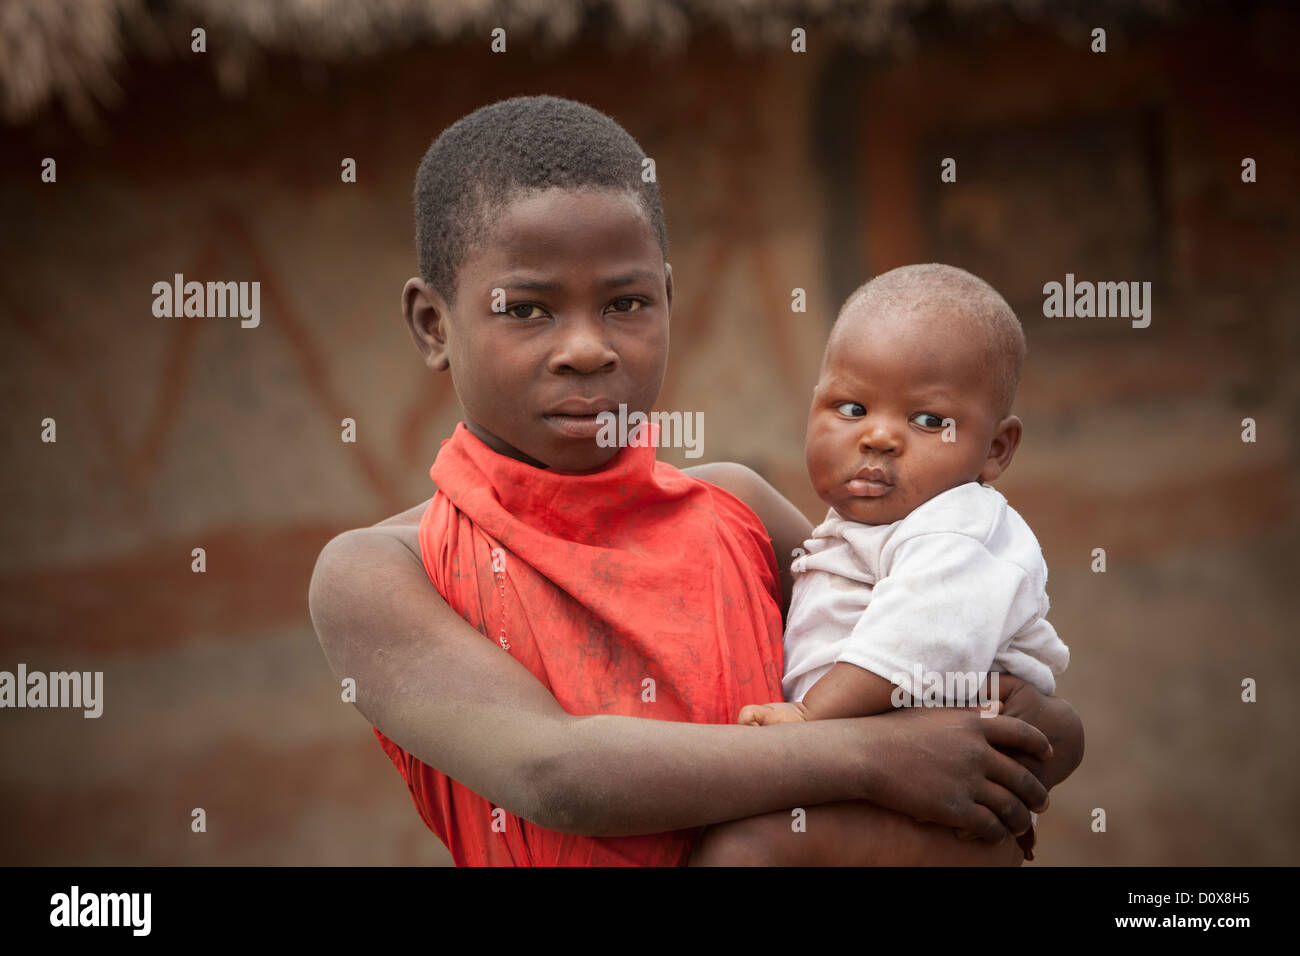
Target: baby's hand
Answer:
pixel 760 715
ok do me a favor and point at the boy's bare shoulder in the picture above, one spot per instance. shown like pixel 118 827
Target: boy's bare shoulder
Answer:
pixel 786 526
pixel 410 518
pixel 354 563
pixel 395 536
pixel 743 482
pixel 783 521
pixel 731 476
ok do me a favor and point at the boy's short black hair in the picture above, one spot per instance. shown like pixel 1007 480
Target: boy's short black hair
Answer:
pixel 484 160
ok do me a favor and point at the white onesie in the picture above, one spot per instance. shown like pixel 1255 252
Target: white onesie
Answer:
pixel 957 586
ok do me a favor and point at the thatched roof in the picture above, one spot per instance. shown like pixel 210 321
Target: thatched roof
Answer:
pixel 71 50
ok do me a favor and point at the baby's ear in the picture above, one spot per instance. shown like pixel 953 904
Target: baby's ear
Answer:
pixel 1006 439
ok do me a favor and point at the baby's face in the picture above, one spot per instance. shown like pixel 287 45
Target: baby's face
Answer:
pixel 876 443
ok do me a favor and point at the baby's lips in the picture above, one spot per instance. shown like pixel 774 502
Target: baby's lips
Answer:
pixel 874 474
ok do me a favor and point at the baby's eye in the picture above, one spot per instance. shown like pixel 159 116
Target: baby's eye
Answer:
pixel 525 311
pixel 926 420
pixel 627 304
pixel 854 410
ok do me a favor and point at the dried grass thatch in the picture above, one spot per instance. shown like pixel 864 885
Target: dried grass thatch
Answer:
pixel 69 50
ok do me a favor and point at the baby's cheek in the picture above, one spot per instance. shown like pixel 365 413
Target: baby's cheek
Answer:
pixel 829 478
pixel 820 458
pixel 913 490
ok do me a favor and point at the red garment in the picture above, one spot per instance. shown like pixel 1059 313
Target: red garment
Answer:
pixel 635 571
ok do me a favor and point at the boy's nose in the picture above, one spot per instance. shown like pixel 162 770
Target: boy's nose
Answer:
pixel 583 349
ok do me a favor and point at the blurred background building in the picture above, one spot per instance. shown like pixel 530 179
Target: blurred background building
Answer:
pixel 779 170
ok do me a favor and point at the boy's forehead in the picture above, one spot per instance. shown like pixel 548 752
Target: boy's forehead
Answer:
pixel 555 227
pixel 566 214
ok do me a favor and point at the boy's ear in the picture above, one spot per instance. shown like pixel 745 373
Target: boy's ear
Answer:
pixel 1003 448
pixel 426 316
pixel 668 283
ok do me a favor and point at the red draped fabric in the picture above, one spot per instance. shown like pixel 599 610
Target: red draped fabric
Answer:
pixel 634 590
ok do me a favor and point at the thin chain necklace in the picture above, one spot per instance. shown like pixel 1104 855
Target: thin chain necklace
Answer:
pixel 499 571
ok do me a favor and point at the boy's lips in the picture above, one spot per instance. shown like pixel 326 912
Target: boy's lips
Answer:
pixel 576 426
pixel 870 483
pixel 578 407
pixel 578 417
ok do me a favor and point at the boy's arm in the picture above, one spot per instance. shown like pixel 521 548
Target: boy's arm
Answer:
pixel 431 682
pixel 845 834
pixel 847 690
pixel 861 834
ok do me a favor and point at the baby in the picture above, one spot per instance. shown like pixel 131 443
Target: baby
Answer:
pixel 921 575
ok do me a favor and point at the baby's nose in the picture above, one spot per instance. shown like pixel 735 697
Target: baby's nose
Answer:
pixel 879 437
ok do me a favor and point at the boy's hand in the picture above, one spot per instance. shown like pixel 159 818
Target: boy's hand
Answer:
pixel 958 773
pixel 1055 718
pixel 761 715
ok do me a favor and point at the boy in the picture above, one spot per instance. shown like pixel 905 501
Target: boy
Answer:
pixel 921 576
pixel 596 617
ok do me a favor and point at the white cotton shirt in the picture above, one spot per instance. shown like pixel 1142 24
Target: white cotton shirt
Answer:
pixel 957 586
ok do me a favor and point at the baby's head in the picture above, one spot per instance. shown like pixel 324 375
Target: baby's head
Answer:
pixel 915 393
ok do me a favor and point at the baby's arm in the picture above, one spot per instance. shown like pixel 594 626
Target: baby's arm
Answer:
pixel 845 690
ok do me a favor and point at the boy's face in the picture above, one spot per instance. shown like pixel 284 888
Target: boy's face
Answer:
pixel 586 296
pixel 875 443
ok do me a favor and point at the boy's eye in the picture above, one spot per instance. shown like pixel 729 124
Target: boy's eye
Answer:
pixel 851 410
pixel 524 311
pixel 926 420
pixel 627 304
